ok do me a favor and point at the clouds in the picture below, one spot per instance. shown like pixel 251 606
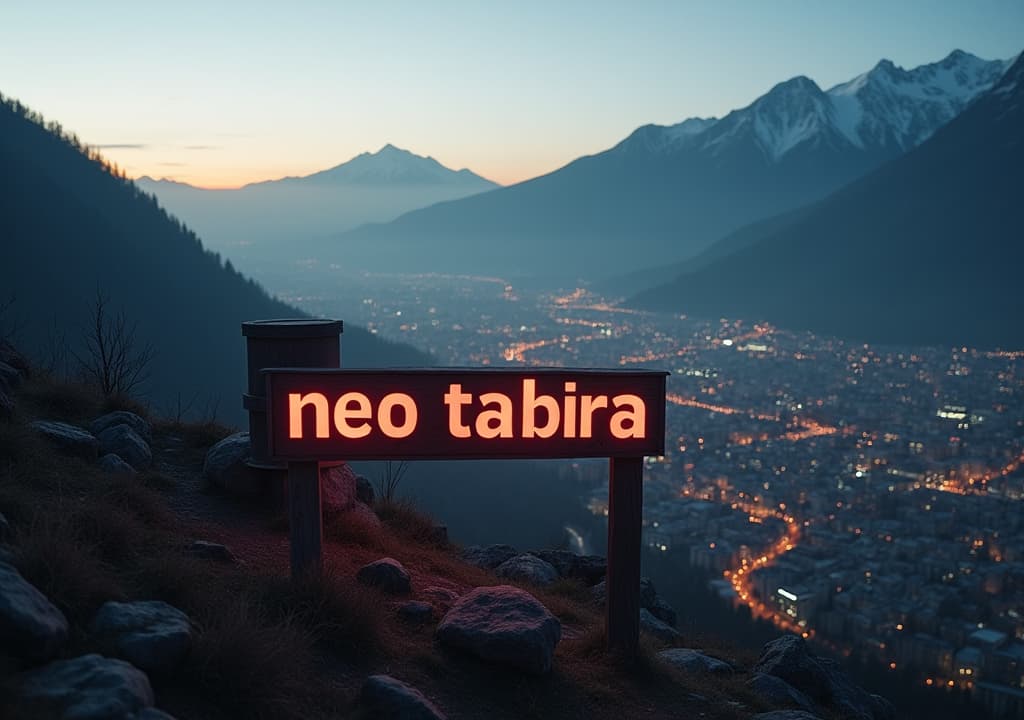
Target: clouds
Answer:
pixel 122 146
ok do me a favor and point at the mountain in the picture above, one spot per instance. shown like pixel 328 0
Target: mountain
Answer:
pixel 927 249
pixel 666 193
pixel 73 226
pixel 259 224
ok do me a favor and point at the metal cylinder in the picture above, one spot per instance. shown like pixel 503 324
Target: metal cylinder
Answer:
pixel 298 342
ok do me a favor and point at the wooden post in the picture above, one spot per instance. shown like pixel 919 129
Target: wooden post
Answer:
pixel 305 523
pixel 625 517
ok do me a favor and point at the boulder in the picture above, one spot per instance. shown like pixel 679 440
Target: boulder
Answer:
pixel 441 598
pixel 387 574
pixel 211 551
pixel 416 612
pixel 73 440
pixel 694 662
pixel 364 491
pixel 337 488
pixel 488 557
pixel 776 691
pixel 90 687
pixel 386 698
pixel 663 611
pixel 31 627
pixel 504 625
pixel 655 627
pixel 151 634
pixel 123 441
pixel 139 424
pixel 225 466
pixel 528 568
pixel 589 569
pixel 115 465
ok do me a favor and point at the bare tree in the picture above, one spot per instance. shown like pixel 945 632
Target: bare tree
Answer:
pixel 112 357
pixel 387 482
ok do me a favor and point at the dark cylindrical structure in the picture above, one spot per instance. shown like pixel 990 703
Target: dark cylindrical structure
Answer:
pixel 299 342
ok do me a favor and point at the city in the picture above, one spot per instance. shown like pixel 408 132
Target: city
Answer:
pixel 865 497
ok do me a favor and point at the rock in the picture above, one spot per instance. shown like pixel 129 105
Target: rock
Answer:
pixel 151 635
pixel 488 557
pixel 31 627
pixel 364 491
pixel 122 440
pixel 504 625
pixel 113 464
pixel 387 574
pixel 663 611
pixel 226 467
pixel 90 687
pixel 10 378
pixel 440 597
pixel 777 691
pixel 786 715
pixel 648 595
pixel 386 698
pixel 529 568
pixel 211 551
pixel 5 528
pixel 655 627
pixel 337 488
pixel 140 425
pixel 416 612
pixel 694 661
pixel 589 569
pixel 71 439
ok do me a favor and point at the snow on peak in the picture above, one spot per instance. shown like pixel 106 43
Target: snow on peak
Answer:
pixel 688 127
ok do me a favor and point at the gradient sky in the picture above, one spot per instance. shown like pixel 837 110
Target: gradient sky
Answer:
pixel 223 93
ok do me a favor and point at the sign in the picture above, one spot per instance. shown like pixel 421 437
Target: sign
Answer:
pixel 450 413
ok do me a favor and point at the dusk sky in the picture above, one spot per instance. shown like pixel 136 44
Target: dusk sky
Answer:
pixel 220 94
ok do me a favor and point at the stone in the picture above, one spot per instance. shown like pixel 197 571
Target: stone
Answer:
pixel 589 569
pixel 386 574
pixel 386 698
pixel 488 557
pixel 123 441
pixel 528 568
pixel 786 715
pixel 113 464
pixel 441 598
pixel 416 612
pixel 777 691
pixel 694 662
pixel 225 466
pixel 337 488
pixel 503 625
pixel 364 490
pixel 663 611
pixel 150 634
pixel 31 627
pixel 73 440
pixel 655 627
pixel 90 687
pixel 137 423
pixel 211 551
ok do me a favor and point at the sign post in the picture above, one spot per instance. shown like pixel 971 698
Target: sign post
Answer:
pixel 320 415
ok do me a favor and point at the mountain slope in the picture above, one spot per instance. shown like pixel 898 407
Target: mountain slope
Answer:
pixel 260 222
pixel 927 249
pixel 668 192
pixel 72 227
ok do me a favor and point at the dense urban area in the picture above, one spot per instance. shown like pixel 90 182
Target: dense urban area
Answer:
pixel 865 497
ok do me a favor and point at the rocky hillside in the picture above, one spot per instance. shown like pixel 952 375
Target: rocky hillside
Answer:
pixel 143 565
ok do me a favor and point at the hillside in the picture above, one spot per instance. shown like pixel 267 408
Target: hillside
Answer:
pixel 73 226
pixel 925 250
pixel 663 194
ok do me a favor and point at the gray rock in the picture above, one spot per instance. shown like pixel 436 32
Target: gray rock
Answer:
pixel 122 440
pixel 337 488
pixel 364 491
pixel 786 715
pixel 529 568
pixel 151 634
pixel 71 439
pixel 113 464
pixel 488 557
pixel 663 611
pixel 211 551
pixel 655 627
pixel 387 574
pixel 31 627
pixel 694 661
pixel 416 612
pixel 504 625
pixel 777 691
pixel 5 528
pixel 90 687
pixel 389 699
pixel 140 425
pixel 589 569
pixel 225 466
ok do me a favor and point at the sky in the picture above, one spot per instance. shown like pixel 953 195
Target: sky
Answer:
pixel 219 94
